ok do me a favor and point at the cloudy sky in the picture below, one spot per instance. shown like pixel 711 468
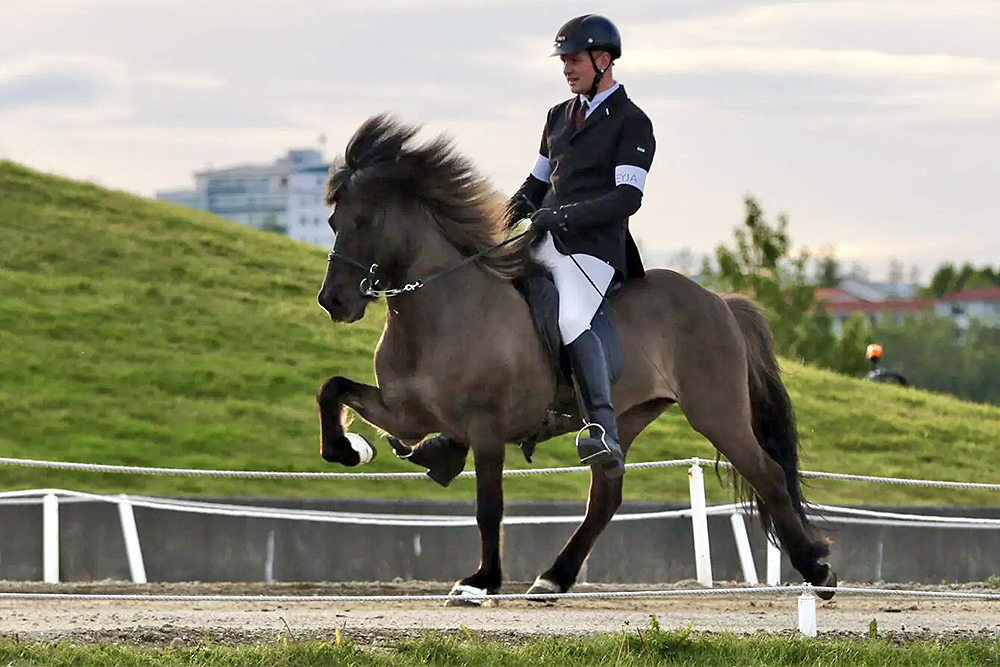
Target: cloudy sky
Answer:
pixel 875 125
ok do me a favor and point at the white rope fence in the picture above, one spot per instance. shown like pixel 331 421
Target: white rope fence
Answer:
pixel 699 512
pixel 756 590
pixel 269 474
pixel 273 474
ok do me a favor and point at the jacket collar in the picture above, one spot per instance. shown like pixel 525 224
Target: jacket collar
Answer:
pixel 592 104
pixel 603 110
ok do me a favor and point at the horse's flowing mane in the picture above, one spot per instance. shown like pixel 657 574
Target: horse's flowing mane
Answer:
pixel 382 161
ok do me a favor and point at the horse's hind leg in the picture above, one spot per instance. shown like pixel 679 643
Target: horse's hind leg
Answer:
pixel 336 446
pixel 727 425
pixel 604 500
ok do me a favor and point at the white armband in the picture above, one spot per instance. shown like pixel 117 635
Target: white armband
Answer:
pixel 627 174
pixel 542 169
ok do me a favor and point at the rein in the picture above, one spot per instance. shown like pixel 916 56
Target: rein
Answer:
pixel 370 284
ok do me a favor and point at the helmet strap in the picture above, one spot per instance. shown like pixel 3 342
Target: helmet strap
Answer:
pixel 597 78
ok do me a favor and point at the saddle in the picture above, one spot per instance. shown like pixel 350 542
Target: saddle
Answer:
pixel 539 290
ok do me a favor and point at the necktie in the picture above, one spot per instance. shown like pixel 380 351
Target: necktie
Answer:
pixel 580 115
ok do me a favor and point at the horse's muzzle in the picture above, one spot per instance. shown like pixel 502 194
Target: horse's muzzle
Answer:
pixel 341 311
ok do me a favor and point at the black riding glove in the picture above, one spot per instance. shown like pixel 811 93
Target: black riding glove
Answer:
pixel 526 200
pixel 549 220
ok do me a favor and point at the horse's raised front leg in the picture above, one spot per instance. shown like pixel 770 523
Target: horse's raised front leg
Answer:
pixel 350 449
pixel 604 500
pixel 489 515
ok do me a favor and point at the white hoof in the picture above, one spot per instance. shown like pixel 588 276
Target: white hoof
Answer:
pixel 360 444
pixel 465 596
pixel 542 587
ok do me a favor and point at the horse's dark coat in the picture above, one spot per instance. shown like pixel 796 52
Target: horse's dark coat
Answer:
pixel 462 358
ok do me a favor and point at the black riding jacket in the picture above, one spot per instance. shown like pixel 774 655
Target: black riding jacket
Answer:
pixel 596 178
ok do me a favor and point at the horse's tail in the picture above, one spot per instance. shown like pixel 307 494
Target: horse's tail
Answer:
pixel 771 408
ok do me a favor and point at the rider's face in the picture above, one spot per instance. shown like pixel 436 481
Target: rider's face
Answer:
pixel 579 71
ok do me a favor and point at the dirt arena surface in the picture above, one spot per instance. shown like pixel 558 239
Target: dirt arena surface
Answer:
pixel 162 622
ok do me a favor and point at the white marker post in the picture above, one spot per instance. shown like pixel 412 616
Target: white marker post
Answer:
pixel 50 538
pixel 133 551
pixel 743 548
pixel 699 525
pixel 773 565
pixel 807 615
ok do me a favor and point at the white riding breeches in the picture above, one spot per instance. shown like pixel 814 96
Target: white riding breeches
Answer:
pixel 580 294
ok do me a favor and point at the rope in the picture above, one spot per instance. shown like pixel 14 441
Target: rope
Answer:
pixel 802 589
pixel 266 474
pixel 323 516
pixel 903 481
pixel 906 517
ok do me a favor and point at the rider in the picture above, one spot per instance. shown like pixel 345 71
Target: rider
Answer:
pixel 596 150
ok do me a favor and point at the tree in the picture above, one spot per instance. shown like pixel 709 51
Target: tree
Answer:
pixel 933 353
pixel 942 282
pixel 762 266
pixel 828 274
pixel 947 279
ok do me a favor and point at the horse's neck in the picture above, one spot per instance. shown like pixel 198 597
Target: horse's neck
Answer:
pixel 451 303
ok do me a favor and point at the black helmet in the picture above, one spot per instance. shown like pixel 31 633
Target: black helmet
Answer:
pixel 589 32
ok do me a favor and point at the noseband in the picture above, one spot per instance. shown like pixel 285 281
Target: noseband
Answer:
pixel 369 285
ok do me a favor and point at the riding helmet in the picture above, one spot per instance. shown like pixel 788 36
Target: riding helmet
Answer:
pixel 589 32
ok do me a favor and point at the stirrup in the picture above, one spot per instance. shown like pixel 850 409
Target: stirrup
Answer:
pixel 599 455
pixel 604 443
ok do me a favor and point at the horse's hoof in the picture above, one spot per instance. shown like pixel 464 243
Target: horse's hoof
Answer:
pixel 829 582
pixel 462 595
pixel 444 458
pixel 542 587
pixel 360 444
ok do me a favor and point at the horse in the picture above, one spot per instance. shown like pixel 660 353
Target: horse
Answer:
pixel 460 365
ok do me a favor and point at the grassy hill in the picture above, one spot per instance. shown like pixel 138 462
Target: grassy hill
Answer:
pixel 134 332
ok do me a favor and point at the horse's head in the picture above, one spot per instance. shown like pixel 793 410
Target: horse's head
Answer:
pixel 396 205
pixel 367 193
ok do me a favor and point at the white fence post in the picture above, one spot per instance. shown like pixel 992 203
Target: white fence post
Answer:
pixel 133 551
pixel 699 525
pixel 773 564
pixel 50 538
pixel 743 548
pixel 807 615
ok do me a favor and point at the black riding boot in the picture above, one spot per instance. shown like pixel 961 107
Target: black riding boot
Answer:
pixel 601 450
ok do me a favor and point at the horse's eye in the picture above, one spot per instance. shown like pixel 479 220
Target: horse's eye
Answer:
pixel 362 220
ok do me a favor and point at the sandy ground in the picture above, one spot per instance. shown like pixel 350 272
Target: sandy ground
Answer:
pixel 180 623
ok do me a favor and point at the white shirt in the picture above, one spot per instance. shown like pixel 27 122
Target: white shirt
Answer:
pixel 592 104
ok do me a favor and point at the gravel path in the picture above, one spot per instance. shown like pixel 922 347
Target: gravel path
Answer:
pixel 179 623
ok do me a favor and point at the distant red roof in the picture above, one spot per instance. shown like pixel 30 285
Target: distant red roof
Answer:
pixel 833 295
pixel 907 306
pixel 974 294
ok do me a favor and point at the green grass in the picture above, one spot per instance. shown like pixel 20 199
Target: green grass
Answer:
pixel 134 332
pixel 639 648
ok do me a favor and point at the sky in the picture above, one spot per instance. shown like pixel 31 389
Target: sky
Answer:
pixel 873 125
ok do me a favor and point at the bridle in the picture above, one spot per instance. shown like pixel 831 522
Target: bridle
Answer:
pixel 370 285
